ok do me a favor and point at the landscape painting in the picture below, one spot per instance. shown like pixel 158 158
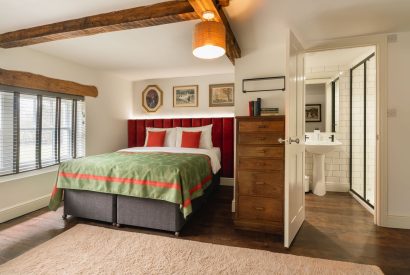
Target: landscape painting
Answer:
pixel 186 96
pixel 221 95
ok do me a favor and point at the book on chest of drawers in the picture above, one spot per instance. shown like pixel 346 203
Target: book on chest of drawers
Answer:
pixel 259 182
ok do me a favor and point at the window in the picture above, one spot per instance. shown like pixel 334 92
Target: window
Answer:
pixel 39 129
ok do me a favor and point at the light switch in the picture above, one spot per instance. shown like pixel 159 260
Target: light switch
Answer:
pixel 392 113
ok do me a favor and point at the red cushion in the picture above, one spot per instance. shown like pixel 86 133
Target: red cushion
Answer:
pixel 191 139
pixel 156 139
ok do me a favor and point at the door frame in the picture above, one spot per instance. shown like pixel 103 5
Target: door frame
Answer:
pixel 381 217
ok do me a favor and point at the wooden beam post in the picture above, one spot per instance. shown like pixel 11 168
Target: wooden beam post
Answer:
pixel 44 83
pixel 232 47
pixel 139 17
pixel 223 3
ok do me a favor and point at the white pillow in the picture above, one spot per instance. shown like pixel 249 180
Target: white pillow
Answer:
pixel 170 136
pixel 206 135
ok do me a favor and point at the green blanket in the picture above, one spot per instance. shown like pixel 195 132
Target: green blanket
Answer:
pixel 176 178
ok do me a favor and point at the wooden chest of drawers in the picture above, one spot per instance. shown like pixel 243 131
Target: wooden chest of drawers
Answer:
pixel 259 183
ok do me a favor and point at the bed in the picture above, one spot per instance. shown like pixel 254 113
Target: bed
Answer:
pixel 159 209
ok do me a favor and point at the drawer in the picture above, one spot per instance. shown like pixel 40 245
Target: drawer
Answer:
pixel 260 164
pixel 259 151
pixel 260 138
pixel 261 126
pixel 256 208
pixel 260 184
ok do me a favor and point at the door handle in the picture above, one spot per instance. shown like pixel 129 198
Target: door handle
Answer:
pixel 290 140
pixel 294 140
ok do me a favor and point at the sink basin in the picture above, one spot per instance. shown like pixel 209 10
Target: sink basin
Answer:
pixel 321 147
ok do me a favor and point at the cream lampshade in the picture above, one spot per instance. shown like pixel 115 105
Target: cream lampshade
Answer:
pixel 209 40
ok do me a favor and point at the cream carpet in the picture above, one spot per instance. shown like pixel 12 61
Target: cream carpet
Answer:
pixel 88 249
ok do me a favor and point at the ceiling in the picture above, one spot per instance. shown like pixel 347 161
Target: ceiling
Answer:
pixel 165 51
pixel 325 64
pixel 335 57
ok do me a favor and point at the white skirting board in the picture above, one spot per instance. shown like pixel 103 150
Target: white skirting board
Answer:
pixel 23 208
pixel 227 181
pixel 395 221
pixel 337 187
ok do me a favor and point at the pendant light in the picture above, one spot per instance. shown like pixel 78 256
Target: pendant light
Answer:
pixel 209 41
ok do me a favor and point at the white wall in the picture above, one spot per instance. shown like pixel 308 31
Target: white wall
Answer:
pixel 106 124
pixel 399 127
pixel 167 109
pixel 266 61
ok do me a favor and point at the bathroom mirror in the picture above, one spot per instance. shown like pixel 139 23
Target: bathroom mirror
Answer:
pixel 322 105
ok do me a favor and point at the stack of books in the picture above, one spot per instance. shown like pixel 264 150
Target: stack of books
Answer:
pixel 269 111
pixel 255 107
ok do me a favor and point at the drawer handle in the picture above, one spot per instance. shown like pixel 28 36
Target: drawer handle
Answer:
pixel 260 163
pixel 260 183
pixel 261 151
pixel 259 208
pixel 261 138
pixel 262 126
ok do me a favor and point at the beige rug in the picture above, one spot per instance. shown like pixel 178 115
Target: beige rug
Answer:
pixel 88 249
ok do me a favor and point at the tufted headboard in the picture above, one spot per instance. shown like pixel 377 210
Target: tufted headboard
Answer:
pixel 222 135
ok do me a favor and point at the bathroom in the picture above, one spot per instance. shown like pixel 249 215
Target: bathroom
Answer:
pixel 340 123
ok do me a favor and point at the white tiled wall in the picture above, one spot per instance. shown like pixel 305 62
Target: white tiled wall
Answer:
pixel 337 162
pixel 358 173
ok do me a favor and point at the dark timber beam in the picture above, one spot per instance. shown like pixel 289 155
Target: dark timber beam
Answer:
pixel 232 47
pixel 139 17
pixel 223 3
pixel 43 83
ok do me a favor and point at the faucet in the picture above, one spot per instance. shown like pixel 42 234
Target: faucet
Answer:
pixel 332 137
pixel 306 137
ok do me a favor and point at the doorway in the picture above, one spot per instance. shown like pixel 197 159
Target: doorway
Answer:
pixel 341 111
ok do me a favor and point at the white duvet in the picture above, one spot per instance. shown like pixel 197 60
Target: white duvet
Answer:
pixel 214 154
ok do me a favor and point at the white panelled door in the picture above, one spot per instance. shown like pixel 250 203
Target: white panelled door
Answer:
pixel 294 142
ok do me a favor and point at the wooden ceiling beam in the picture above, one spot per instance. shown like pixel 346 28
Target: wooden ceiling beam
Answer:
pixel 223 3
pixel 44 83
pixel 139 17
pixel 200 6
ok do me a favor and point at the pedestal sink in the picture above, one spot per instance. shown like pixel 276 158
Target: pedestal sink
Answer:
pixel 319 149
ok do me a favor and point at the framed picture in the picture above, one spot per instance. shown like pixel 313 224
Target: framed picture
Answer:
pixel 152 98
pixel 221 95
pixel 313 113
pixel 186 96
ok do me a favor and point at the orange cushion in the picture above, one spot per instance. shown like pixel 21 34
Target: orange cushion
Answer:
pixel 191 139
pixel 156 139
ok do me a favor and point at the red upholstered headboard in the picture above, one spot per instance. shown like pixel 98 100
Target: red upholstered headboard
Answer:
pixel 222 135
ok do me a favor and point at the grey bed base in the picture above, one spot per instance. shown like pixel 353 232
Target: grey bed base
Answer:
pixel 124 210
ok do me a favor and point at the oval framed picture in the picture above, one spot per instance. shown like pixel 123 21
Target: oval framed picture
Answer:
pixel 152 98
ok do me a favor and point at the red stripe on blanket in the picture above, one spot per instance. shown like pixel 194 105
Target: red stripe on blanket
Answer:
pixel 186 203
pixel 121 180
pixel 55 189
pixel 200 185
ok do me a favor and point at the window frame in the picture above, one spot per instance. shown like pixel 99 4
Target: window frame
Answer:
pixel 16 92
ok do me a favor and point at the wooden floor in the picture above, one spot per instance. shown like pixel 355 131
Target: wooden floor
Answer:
pixel 336 228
